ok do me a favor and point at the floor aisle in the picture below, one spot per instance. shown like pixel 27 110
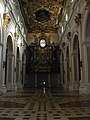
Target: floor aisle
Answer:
pixel 43 104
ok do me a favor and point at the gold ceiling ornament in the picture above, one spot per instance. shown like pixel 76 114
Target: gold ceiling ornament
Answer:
pixel 6 18
pixel 16 36
pixel 42 36
pixel 54 9
pixel 78 19
pixel 35 38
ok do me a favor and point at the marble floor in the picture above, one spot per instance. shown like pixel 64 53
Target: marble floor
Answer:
pixel 44 104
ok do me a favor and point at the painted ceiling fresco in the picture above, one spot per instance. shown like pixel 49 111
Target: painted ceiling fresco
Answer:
pixel 42 15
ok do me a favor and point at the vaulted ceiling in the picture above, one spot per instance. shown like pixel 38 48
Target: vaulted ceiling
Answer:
pixel 42 15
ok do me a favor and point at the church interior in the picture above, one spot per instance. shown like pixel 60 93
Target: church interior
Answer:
pixel 44 59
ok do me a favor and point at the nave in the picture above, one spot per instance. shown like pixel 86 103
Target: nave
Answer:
pixel 44 104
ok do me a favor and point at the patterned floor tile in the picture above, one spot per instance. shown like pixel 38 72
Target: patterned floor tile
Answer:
pixel 52 104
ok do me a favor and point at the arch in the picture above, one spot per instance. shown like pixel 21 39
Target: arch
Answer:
pixel 9 69
pixel 18 53
pixel 75 43
pixel 76 62
pixel 9 44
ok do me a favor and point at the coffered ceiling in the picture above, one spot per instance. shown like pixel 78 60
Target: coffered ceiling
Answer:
pixel 42 15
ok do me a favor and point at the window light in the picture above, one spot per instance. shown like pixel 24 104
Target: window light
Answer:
pixel 62 29
pixel 66 17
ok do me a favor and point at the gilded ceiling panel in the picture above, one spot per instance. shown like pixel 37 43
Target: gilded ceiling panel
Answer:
pixel 42 15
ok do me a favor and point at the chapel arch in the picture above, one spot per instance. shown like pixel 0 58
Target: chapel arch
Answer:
pixel 76 63
pixel 9 64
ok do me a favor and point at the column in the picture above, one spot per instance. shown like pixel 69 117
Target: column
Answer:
pixel 23 73
pixel 15 46
pixel 85 83
pixel 18 74
pixel 49 81
pixel 62 71
pixel 83 86
pixel 70 62
pixel 3 86
pixel 10 72
pixel 1 66
pixel 75 71
pixel 58 78
pixel 66 75
pixel 35 79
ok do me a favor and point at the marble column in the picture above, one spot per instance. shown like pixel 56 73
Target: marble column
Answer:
pixel 1 66
pixel 75 72
pixel 82 87
pixel 15 46
pixel 67 79
pixel 23 73
pixel 35 79
pixel 3 86
pixel 85 83
pixel 10 72
pixel 18 74
pixel 49 81
pixel 62 73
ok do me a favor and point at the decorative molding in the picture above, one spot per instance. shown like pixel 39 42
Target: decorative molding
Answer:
pixel 43 15
pixel 6 18
pixel 16 36
pixel 21 45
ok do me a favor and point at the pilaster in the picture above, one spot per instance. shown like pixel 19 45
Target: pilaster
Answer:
pixel 2 68
pixel 10 72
